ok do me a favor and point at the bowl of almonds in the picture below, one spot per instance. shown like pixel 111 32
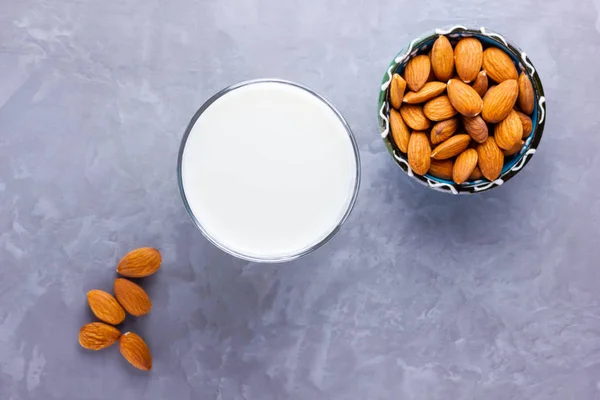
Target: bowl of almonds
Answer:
pixel 461 110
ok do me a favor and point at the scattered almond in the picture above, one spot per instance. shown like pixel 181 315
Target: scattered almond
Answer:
pixel 498 65
pixel 397 89
pixel 136 351
pixel 468 56
pixel 513 150
pixel 105 307
pixel 509 131
pixel 464 98
pixel 441 168
pixel 98 336
pixel 427 92
pixel 400 132
pixel 439 109
pixel 527 124
pixel 414 117
pixel 464 165
pixel 476 128
pixel 132 297
pixel 481 83
pixel 491 159
pixel 451 147
pixel 499 101
pixel 443 130
pixel 442 59
pixel 417 71
pixel 139 263
pixel 526 95
pixel 419 153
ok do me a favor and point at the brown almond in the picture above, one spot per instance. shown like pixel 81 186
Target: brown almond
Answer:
pixel 439 109
pixel 464 165
pixel 476 174
pixel 464 98
pixel 419 153
pixel 498 65
pixel 442 59
pixel 476 128
pixel 499 101
pixel 132 297
pixel 441 168
pixel 105 307
pixel 513 150
pixel 98 336
pixel 526 95
pixel 140 263
pixel 397 88
pixel 509 131
pixel 443 130
pixel 491 159
pixel 468 57
pixel 427 92
pixel 414 117
pixel 481 83
pixel 451 147
pixel 417 71
pixel 400 132
pixel 527 124
pixel 136 351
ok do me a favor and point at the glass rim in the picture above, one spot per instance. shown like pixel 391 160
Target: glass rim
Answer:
pixel 275 259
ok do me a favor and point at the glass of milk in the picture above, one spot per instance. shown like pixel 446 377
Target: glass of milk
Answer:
pixel 268 170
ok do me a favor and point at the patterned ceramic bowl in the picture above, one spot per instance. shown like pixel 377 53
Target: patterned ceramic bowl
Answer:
pixel 513 164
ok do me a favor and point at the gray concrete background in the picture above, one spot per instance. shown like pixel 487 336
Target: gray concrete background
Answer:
pixel 421 295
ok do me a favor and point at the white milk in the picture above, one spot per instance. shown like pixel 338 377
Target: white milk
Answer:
pixel 269 170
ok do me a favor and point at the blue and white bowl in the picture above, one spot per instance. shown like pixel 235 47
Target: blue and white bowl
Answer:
pixel 513 164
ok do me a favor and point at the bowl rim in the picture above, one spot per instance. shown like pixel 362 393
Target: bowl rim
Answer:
pixel 538 116
pixel 275 259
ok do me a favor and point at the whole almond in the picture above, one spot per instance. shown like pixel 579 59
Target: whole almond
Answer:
pixel 427 92
pixel 132 297
pixel 526 95
pixel 464 98
pixel 464 165
pixel 140 263
pixel 491 159
pixel 476 128
pixel 439 109
pixel 419 153
pixel 397 89
pixel 442 59
pixel 105 307
pixel 98 336
pixel 443 130
pixel 513 150
pixel 509 131
pixel 400 132
pixel 468 57
pixel 414 117
pixel 498 65
pixel 417 71
pixel 476 174
pixel 527 124
pixel 136 351
pixel 451 147
pixel 499 101
pixel 441 168
pixel 481 83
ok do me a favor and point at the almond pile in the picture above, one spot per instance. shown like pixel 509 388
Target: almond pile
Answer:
pixel 458 112
pixel 129 297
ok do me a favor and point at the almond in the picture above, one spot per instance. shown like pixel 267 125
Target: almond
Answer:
pixel 476 174
pixel 526 95
pixel 464 165
pixel 499 101
pixel 464 98
pixel 136 351
pixel 509 131
pixel 491 159
pixel 439 109
pixel 397 89
pixel 441 168
pixel 498 65
pixel 476 128
pixel 139 263
pixel 451 147
pixel 414 117
pixel 468 56
pixel 105 307
pixel 419 153
pixel 132 297
pixel 513 150
pixel 98 336
pixel 527 124
pixel 427 92
pixel 417 71
pixel 443 130
pixel 442 59
pixel 400 132
pixel 481 83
